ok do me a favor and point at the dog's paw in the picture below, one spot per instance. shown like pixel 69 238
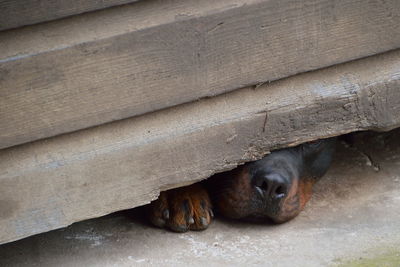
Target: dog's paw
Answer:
pixel 182 209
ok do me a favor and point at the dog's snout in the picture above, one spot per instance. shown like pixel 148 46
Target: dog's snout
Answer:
pixel 272 186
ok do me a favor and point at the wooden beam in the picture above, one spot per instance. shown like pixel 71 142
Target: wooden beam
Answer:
pixel 19 13
pixel 125 61
pixel 52 183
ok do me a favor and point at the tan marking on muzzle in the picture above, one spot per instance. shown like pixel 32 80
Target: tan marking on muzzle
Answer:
pixel 300 193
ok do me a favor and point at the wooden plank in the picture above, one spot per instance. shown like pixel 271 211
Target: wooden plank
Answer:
pixel 54 182
pixel 19 13
pixel 81 72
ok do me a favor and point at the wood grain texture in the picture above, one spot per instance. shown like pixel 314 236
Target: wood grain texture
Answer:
pixel 51 183
pixel 126 61
pixel 19 13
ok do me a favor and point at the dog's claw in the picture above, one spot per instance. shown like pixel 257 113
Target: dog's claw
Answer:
pixel 182 209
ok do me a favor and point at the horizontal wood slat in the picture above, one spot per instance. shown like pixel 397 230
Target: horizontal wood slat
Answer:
pixel 17 13
pixel 125 61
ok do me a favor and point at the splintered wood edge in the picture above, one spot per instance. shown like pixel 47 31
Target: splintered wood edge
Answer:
pixel 54 182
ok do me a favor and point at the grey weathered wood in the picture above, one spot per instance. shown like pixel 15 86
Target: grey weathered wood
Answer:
pixel 125 61
pixel 54 182
pixel 17 13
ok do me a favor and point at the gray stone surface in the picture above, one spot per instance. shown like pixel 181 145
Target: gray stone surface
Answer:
pixel 353 214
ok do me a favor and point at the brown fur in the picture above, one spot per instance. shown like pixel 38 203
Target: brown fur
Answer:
pixel 188 208
pixel 300 193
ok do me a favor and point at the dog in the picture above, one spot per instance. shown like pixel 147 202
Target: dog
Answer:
pixel 275 188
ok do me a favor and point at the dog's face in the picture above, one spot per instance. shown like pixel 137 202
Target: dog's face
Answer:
pixel 276 187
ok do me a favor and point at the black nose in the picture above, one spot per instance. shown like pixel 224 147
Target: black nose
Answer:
pixel 272 186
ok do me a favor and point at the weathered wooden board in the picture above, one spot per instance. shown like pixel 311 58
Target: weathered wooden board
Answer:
pixel 51 183
pixel 19 13
pixel 113 64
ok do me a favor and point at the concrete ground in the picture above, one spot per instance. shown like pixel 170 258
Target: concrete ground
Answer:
pixel 352 220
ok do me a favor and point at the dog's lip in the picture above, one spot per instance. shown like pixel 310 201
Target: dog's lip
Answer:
pixel 268 209
pixel 264 216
